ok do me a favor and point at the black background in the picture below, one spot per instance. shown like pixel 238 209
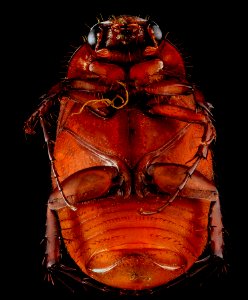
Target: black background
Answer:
pixel 40 38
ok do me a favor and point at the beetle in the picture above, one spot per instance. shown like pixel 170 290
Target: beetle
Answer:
pixel 133 196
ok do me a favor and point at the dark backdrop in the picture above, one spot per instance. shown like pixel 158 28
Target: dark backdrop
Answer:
pixel 40 39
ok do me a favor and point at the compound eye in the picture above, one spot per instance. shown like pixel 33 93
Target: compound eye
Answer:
pixel 92 36
pixel 156 30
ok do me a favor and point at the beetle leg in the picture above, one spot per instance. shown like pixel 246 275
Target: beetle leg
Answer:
pixel 31 122
pixel 216 230
pixel 180 113
pixel 184 114
pixel 200 101
pixel 81 186
pixel 169 88
pixel 190 116
pixel 189 172
pixel 56 270
pixel 53 251
pixel 47 100
pixel 51 158
pixel 52 239
pixel 110 160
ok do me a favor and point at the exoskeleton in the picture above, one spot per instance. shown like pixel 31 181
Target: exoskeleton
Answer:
pixel 134 198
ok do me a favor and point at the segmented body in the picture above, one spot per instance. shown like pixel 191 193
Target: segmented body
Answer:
pixel 133 181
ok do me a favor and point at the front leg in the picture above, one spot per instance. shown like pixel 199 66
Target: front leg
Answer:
pixel 47 101
pixel 32 121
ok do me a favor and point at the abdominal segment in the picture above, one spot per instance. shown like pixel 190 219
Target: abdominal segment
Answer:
pixel 113 243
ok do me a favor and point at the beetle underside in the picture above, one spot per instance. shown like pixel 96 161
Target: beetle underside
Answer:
pixel 133 198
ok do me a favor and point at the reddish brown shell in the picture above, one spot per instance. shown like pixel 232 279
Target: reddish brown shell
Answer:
pixel 132 155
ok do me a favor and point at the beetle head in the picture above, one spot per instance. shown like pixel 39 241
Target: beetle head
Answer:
pixel 124 32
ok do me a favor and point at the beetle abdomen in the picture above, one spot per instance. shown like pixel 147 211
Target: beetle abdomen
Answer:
pixel 114 244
